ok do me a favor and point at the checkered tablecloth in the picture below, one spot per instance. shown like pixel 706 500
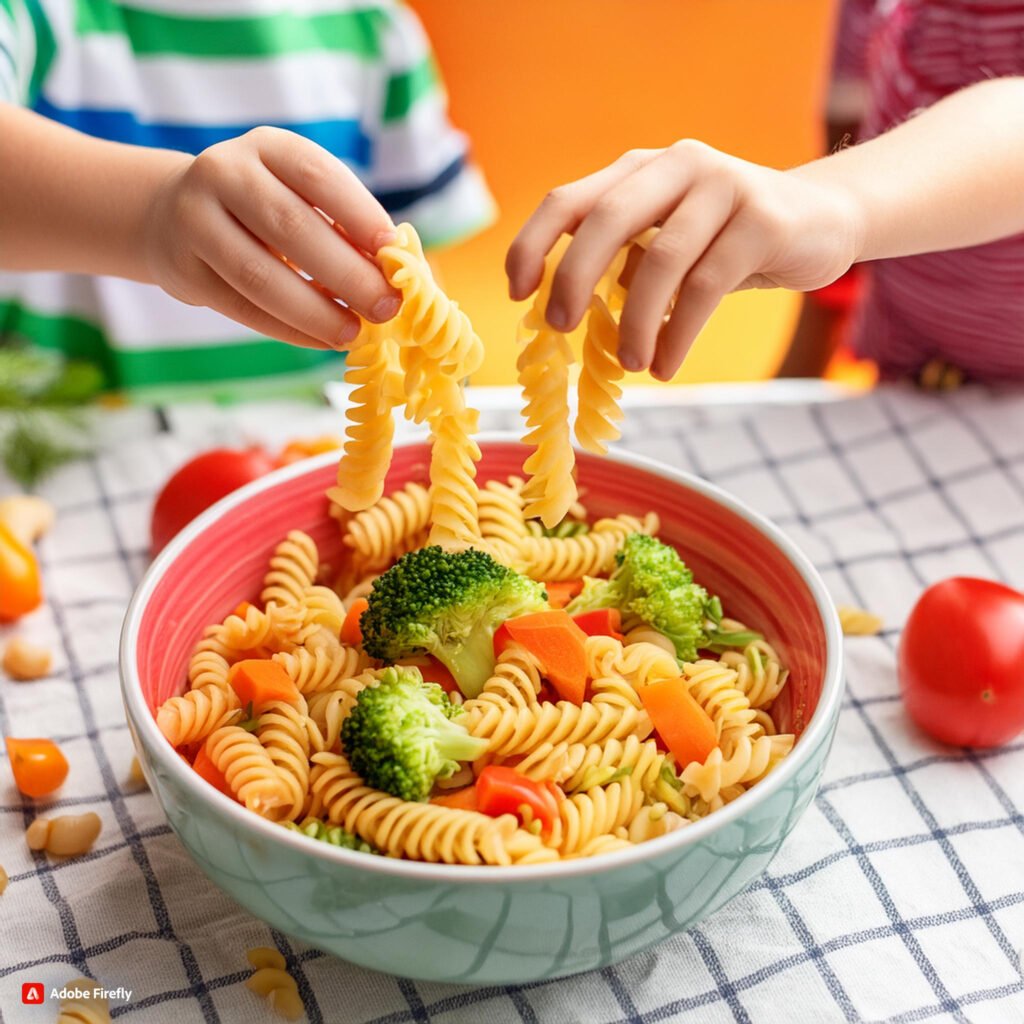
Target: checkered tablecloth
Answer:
pixel 900 897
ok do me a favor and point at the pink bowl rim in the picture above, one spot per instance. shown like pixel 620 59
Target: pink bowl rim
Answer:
pixel 144 723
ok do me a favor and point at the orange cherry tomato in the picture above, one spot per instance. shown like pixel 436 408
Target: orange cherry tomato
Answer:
pixel 39 766
pixel 21 587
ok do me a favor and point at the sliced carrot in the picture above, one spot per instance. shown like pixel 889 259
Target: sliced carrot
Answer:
pixel 204 767
pixel 683 725
pixel 351 631
pixel 258 682
pixel 601 622
pixel 461 799
pixel 434 672
pixel 558 644
pixel 38 765
pixel 561 592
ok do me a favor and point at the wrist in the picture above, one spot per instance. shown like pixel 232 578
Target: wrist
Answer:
pixel 154 174
pixel 850 217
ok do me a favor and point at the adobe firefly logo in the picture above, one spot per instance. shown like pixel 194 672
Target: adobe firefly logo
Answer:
pixel 32 993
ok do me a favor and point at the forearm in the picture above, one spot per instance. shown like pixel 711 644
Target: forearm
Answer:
pixel 950 177
pixel 73 203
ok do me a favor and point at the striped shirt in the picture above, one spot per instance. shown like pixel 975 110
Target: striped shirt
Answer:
pixel 966 307
pixel 355 76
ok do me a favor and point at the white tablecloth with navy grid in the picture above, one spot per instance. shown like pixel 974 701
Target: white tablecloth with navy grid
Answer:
pixel 900 896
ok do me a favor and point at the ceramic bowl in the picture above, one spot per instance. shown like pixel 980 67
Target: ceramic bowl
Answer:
pixel 479 925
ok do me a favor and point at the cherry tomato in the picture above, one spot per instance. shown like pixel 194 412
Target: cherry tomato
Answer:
pixel 21 589
pixel 961 662
pixel 38 765
pixel 503 790
pixel 199 483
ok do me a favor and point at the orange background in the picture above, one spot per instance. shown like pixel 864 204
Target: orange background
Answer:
pixel 550 90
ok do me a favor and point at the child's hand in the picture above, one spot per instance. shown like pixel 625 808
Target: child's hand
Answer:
pixel 726 224
pixel 217 225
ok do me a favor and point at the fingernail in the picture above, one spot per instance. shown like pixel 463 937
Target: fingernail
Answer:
pixel 384 238
pixel 630 361
pixel 346 336
pixel 557 317
pixel 385 309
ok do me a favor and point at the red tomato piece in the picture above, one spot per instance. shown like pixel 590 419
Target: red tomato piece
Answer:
pixel 199 484
pixel 961 662
pixel 601 622
pixel 503 790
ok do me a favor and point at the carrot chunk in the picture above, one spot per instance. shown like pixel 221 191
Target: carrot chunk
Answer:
pixel 683 725
pixel 257 682
pixel 351 631
pixel 558 644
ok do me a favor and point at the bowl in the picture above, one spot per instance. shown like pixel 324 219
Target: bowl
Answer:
pixel 484 925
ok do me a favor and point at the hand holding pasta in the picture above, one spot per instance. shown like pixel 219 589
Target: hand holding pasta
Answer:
pixel 725 224
pixel 594 742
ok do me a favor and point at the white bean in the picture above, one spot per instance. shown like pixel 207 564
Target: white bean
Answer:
pixel 23 660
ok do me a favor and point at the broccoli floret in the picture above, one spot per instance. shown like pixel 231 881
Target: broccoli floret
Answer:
pixel 448 604
pixel 333 835
pixel 653 583
pixel 400 736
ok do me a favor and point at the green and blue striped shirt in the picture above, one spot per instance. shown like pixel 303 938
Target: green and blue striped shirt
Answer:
pixel 355 76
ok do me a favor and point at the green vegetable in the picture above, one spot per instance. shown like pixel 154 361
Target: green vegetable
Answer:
pixel 448 605
pixel 334 835
pixel 566 528
pixel 653 583
pixel 400 736
pixel 41 421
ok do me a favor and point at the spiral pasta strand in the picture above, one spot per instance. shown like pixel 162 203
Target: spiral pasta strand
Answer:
pixel 422 831
pixel 284 734
pixel 370 367
pixel 597 812
pixel 516 730
pixel 569 558
pixel 293 570
pixel 713 686
pixel 249 770
pixel 319 669
pixel 599 392
pixel 210 660
pixel 455 521
pixel 194 715
pixel 381 532
pixel 434 333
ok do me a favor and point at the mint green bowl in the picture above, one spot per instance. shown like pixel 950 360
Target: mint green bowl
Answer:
pixel 484 925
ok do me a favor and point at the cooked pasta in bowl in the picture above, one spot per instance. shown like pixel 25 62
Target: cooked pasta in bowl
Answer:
pixel 517 760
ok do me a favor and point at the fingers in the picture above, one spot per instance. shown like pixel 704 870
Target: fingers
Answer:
pixel 260 277
pixel 561 212
pixel 324 181
pixel 727 263
pixel 639 200
pixel 687 233
pixel 287 223
pixel 219 295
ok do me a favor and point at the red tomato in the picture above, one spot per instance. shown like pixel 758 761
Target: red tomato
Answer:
pixel 502 790
pixel 200 483
pixel 961 662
